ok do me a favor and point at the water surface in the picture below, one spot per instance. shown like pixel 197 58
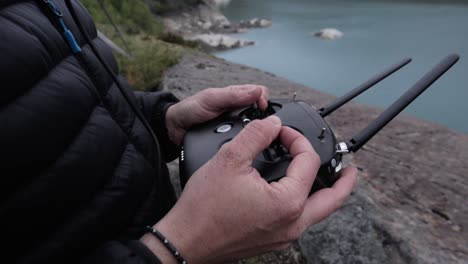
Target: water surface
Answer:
pixel 377 34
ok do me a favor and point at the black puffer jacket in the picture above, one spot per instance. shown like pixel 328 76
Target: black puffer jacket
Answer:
pixel 81 175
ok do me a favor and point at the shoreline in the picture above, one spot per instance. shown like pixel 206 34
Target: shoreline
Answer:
pixel 408 204
pixel 206 25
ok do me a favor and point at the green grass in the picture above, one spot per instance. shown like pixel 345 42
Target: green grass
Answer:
pixel 153 50
pixel 133 16
pixel 151 57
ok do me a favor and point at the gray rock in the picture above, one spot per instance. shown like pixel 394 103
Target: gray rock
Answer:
pixel 200 19
pixel 329 33
pixel 205 24
pixel 219 41
pixel 174 173
pixel 255 23
pixel 354 235
pixel 220 3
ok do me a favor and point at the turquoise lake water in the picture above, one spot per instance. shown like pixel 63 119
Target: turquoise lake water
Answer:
pixel 376 34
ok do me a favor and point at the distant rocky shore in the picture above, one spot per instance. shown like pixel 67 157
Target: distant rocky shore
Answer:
pixel 205 24
pixel 409 205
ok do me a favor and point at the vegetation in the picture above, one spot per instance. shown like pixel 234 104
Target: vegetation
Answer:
pixel 166 6
pixel 133 16
pixel 151 57
pixel 152 50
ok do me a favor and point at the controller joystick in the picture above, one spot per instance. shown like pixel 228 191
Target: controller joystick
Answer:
pixel 253 112
pixel 203 141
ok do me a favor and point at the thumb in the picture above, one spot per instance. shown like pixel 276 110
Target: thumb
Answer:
pixel 252 140
pixel 324 202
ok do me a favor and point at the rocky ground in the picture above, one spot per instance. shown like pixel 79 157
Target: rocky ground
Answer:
pixel 409 205
pixel 205 24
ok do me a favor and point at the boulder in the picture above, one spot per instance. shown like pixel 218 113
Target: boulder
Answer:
pixel 255 23
pixel 220 41
pixel 221 2
pixel 328 33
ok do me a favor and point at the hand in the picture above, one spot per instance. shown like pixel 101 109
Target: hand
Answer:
pixel 227 211
pixel 209 104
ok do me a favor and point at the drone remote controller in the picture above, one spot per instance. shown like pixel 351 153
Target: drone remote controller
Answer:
pixel 202 142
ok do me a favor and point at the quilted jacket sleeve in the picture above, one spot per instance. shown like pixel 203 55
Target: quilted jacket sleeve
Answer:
pixel 154 106
pixel 130 252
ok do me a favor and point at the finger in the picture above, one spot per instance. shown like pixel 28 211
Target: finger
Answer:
pixel 324 202
pixel 263 99
pixel 220 99
pixel 305 164
pixel 253 139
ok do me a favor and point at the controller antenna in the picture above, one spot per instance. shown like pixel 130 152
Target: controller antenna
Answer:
pixel 385 117
pixel 324 111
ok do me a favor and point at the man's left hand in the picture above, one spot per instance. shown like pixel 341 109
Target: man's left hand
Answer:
pixel 209 104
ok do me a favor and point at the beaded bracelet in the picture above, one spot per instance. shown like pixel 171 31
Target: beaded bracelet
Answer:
pixel 167 244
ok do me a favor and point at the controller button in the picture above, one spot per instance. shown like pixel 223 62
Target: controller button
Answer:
pixel 223 128
pixel 333 163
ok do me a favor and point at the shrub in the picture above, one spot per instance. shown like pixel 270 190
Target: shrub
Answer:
pixel 141 32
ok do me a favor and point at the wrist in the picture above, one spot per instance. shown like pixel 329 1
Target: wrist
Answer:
pixel 181 239
pixel 187 237
pixel 158 249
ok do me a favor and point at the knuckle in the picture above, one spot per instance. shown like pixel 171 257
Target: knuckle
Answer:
pixel 314 157
pixel 210 92
pixel 290 211
pixel 233 91
pixel 256 129
pixel 204 95
pixel 295 210
pixel 229 154
pixel 208 97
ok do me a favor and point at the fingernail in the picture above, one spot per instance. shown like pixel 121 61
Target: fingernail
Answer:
pixel 274 119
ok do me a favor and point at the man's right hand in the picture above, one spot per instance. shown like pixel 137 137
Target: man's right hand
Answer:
pixel 227 211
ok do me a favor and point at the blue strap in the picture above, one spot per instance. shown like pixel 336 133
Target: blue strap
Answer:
pixel 75 47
